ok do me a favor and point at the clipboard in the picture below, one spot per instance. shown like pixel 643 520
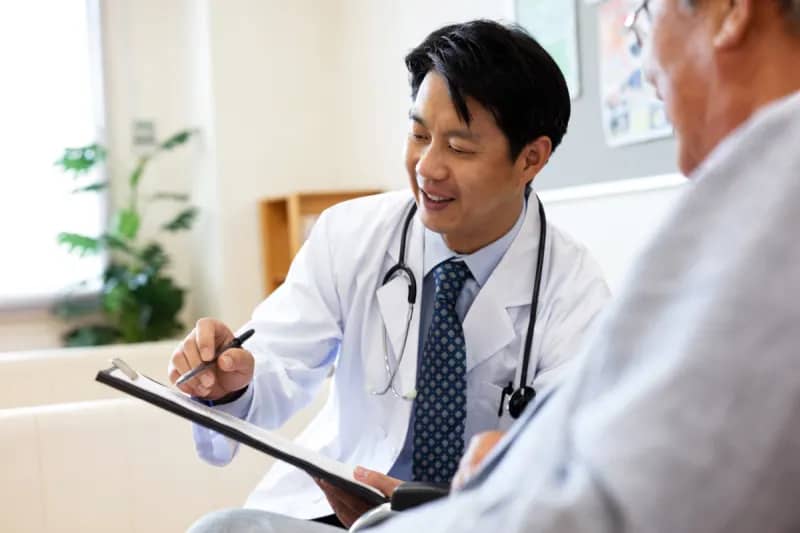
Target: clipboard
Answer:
pixel 124 378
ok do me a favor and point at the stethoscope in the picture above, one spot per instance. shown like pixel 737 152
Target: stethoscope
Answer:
pixel 519 397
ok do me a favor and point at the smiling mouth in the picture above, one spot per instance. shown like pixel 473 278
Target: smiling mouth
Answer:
pixel 436 199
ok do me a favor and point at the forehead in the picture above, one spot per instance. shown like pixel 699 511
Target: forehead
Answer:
pixel 434 105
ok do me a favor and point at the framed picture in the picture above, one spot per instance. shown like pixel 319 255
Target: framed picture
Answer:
pixel 631 111
pixel 554 24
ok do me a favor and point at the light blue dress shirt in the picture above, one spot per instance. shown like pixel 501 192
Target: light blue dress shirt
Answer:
pixel 481 265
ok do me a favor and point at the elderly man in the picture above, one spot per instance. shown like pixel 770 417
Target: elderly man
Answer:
pixel 686 414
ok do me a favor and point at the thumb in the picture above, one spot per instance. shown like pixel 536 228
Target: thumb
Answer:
pixel 382 482
pixel 236 360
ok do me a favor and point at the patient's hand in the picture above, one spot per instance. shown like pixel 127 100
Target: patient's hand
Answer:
pixel 349 508
pixel 479 447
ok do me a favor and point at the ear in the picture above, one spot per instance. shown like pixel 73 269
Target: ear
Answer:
pixel 534 157
pixel 737 17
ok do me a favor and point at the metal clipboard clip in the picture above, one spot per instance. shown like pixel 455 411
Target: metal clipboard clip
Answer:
pixel 124 368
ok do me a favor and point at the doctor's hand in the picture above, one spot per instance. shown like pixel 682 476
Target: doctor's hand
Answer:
pixel 479 447
pixel 349 508
pixel 233 370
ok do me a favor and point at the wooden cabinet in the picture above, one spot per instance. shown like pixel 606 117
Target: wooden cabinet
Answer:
pixel 285 223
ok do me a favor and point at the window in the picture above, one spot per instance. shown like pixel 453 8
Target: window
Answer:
pixel 49 52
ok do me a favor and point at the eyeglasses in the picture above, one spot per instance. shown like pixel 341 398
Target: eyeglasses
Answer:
pixel 639 23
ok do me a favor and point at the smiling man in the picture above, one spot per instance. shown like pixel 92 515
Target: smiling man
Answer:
pixel 413 384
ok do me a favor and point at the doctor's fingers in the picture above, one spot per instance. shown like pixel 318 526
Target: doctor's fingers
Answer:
pixel 192 354
pixel 235 369
pixel 179 365
pixel 209 335
pixel 382 482
pixel 347 508
pixel 236 360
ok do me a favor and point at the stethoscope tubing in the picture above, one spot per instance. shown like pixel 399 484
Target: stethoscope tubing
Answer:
pixel 523 392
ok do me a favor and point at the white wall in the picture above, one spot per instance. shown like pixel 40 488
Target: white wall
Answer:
pixel 615 219
pixel 271 68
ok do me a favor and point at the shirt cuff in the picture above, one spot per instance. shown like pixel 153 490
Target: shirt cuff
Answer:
pixel 238 407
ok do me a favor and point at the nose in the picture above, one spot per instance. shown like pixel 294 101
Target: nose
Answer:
pixel 431 164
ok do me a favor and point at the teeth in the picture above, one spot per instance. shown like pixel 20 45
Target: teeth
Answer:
pixel 436 198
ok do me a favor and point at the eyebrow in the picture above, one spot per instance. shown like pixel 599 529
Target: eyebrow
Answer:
pixel 460 133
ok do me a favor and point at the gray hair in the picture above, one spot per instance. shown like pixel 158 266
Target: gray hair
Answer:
pixel 792 9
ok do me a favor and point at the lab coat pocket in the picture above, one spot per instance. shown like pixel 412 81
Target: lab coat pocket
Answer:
pixel 483 401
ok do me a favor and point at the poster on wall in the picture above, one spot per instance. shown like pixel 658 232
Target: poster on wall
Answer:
pixel 554 24
pixel 631 111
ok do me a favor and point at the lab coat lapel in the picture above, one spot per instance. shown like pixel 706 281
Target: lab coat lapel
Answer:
pixel 488 326
pixel 393 305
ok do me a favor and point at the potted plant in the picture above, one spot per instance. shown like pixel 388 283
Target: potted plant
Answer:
pixel 137 300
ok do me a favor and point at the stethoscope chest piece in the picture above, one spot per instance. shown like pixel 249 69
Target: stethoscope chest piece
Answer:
pixel 519 401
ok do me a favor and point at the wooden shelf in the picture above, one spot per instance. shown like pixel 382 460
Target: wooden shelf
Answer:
pixel 285 223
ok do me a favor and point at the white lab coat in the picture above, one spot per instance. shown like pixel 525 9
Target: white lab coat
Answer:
pixel 332 310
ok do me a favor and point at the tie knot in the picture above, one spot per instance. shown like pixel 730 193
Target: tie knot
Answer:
pixel 449 278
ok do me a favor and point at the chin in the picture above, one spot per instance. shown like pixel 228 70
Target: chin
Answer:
pixel 431 222
pixel 437 222
pixel 687 161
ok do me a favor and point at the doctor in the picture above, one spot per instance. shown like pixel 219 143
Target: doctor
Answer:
pixel 413 383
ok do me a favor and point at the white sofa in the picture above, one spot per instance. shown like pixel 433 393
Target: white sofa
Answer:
pixel 78 456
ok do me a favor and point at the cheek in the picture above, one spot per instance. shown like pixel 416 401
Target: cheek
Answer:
pixel 411 158
pixel 482 186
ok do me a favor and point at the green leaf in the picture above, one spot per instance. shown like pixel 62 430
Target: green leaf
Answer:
pixel 177 139
pixel 161 301
pixel 154 257
pixel 81 244
pixel 81 160
pixel 127 224
pixel 115 274
pixel 115 243
pixel 136 175
pixel 94 187
pixel 182 221
pixel 94 335
pixel 176 196
pixel 116 296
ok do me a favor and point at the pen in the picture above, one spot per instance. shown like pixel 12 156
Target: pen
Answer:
pixel 235 343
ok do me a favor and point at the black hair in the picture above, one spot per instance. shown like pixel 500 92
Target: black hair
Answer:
pixel 505 70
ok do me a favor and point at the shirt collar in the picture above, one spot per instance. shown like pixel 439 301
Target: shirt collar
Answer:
pixel 482 262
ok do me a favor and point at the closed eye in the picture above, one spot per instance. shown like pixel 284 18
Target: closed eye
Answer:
pixel 461 151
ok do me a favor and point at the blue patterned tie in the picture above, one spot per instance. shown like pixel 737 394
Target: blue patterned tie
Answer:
pixel 441 403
